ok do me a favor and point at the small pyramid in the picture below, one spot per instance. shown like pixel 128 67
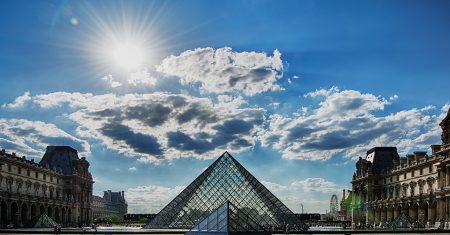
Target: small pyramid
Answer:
pixel 224 181
pixel 227 219
pixel 402 221
pixel 43 221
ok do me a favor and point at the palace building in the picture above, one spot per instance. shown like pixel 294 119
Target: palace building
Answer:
pixel 59 186
pixel 386 185
pixel 111 204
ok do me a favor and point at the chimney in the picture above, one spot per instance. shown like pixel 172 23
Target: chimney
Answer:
pixel 343 194
pixel 420 155
pixel 410 158
pixel 435 148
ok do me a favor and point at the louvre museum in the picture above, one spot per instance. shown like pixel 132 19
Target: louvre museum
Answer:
pixel 59 188
pixel 386 185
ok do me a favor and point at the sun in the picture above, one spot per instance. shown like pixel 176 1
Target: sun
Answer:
pixel 127 56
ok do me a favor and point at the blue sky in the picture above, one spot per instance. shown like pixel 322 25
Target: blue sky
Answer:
pixel 151 92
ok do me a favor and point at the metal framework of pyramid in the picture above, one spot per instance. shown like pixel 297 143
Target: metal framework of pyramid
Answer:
pixel 225 180
pixel 402 221
pixel 43 221
pixel 227 219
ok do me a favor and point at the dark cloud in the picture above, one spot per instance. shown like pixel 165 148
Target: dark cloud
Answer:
pixel 299 132
pixel 183 142
pixel 241 143
pixel 229 132
pixel 177 101
pixel 106 113
pixel 151 114
pixel 351 104
pixel 233 127
pixel 197 112
pixel 261 74
pixel 21 131
pixel 138 142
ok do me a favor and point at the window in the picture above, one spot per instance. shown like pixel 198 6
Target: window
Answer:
pixel 9 168
pixel 391 179
pixel 19 170
pixel 421 171
pixel 398 177
pixel 384 181
pixel 51 178
pixel 36 175
pixel 404 176
pixel 28 173
pixel 412 173
pixel 45 176
pixel 430 169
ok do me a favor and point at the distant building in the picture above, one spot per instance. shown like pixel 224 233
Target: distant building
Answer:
pixel 98 207
pixel 385 185
pixel 60 186
pixel 112 203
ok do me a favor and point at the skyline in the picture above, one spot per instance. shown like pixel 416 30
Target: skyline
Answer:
pixel 158 90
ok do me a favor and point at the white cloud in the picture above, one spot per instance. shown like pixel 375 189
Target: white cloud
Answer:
pixel 160 126
pixel 19 101
pixel 143 77
pixel 32 137
pixel 56 99
pixel 151 198
pixel 132 169
pixel 224 70
pixel 344 122
pixel 313 193
pixel 110 79
pixel 273 187
pixel 316 185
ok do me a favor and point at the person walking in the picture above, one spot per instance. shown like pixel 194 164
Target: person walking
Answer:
pixel 286 229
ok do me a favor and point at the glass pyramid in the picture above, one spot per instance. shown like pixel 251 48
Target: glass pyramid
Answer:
pixel 42 221
pixel 402 221
pixel 225 180
pixel 227 219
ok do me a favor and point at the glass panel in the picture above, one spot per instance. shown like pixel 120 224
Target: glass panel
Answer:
pixel 225 180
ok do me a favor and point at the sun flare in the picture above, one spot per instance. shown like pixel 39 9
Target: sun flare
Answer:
pixel 127 56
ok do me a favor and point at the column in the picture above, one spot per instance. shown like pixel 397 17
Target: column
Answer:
pixel 375 214
pixel 438 209
pixel 8 215
pixel 446 176
pixel 446 208
pixel 388 216
pixel 29 212
pixel 411 212
pixel 432 214
pixel 396 211
pixel 369 215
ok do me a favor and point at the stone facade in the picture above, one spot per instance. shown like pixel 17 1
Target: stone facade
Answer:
pixel 112 203
pixel 385 185
pixel 60 185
